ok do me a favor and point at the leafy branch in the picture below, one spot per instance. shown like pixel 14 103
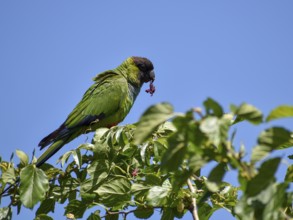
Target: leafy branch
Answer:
pixel 157 164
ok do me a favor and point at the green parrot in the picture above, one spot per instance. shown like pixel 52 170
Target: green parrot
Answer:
pixel 104 104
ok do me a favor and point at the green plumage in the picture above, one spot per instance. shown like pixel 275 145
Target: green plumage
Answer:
pixel 104 104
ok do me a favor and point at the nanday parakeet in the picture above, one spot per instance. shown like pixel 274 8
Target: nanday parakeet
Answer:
pixel 104 104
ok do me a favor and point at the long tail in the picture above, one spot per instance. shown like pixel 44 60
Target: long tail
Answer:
pixel 51 151
pixel 56 139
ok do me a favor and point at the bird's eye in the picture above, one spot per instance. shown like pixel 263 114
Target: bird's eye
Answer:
pixel 141 66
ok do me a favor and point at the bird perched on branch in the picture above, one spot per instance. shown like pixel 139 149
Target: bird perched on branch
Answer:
pixel 104 104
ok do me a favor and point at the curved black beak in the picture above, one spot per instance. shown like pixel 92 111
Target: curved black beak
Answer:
pixel 152 75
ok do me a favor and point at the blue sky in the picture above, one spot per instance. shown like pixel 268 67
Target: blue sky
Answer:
pixel 232 51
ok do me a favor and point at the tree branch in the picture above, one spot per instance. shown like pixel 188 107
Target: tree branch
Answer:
pixel 193 209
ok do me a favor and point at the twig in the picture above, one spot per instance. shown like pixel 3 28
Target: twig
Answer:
pixel 193 209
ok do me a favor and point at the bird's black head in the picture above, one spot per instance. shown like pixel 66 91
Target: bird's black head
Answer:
pixel 146 69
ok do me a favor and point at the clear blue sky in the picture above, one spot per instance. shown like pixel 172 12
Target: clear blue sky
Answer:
pixel 232 51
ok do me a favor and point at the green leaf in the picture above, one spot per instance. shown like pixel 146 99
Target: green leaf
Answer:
pixel 168 214
pixel 94 216
pixel 213 108
pixel 75 207
pixel 276 138
pixel 138 188
pixel 112 217
pixel 5 213
pixel 247 112
pixel 33 185
pixel 77 157
pixel 150 121
pixel 115 192
pixel 47 205
pixel 63 159
pixel 158 195
pixel 205 211
pixel 143 213
pixel 174 155
pixel 215 177
pixel 264 177
pixel 43 217
pixel 272 208
pixel 9 176
pixel 152 179
pixel 282 111
pixel 289 174
pixel 267 204
pixel 259 152
pixel 24 159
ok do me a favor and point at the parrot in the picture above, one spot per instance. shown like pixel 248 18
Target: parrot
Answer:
pixel 105 104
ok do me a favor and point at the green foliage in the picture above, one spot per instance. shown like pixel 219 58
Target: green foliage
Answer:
pixel 157 164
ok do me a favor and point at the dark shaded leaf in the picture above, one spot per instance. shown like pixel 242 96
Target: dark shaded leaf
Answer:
pixel 76 208
pixel 289 174
pixel 33 185
pixel 215 177
pixel 94 216
pixel 143 213
pixel 174 155
pixel 213 108
pixel 112 217
pixel 47 205
pixel 168 214
pixel 264 177
pixel 205 211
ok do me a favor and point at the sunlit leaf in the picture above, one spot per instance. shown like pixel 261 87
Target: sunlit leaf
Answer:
pixel 77 157
pixel 157 195
pixel 151 119
pixel 33 185
pixel 24 159
pixel 276 138
pixel 282 111
pixel 9 176
pixel 43 217
pixel 5 213
pixel 259 152
pixel 247 112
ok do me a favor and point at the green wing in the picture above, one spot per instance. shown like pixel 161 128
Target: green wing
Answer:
pixel 104 104
pixel 100 104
